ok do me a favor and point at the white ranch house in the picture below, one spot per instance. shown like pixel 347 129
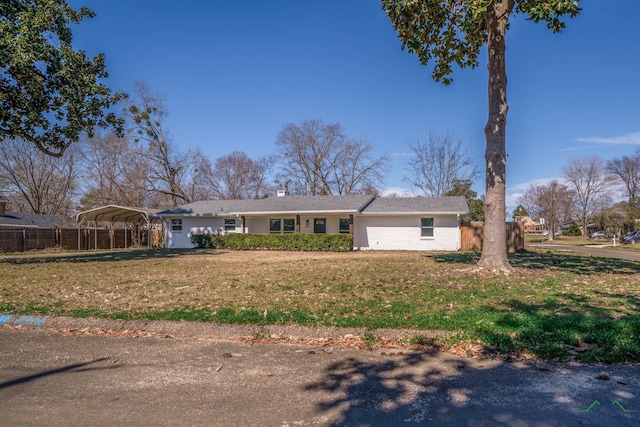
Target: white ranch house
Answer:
pixel 410 223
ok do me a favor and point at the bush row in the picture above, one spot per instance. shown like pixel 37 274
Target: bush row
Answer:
pixel 282 242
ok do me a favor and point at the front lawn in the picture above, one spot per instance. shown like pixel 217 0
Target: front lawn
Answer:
pixel 553 306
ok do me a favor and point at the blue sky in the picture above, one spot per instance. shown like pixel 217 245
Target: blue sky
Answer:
pixel 235 72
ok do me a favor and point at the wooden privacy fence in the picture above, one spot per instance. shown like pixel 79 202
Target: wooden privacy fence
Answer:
pixel 27 239
pixel 472 235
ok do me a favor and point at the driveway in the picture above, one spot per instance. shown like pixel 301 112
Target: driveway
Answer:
pixel 71 376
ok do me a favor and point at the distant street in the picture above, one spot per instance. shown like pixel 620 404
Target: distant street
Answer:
pixel 597 250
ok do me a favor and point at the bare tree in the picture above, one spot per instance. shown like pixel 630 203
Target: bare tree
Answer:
pixel 627 170
pixel 111 173
pixel 37 182
pixel 356 170
pixel 436 165
pixel 236 176
pixel 323 160
pixel 552 201
pixel 168 171
pixel 589 179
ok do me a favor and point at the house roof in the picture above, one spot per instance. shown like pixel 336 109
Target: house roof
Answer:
pixel 365 204
pixel 115 213
pixel 279 205
pixel 417 205
pixel 13 220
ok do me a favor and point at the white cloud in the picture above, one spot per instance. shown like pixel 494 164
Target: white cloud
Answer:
pixel 511 200
pixel 565 150
pixel 397 191
pixel 628 139
pixel 403 154
pixel 524 186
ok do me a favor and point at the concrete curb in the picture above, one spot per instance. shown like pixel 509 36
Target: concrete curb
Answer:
pixel 183 329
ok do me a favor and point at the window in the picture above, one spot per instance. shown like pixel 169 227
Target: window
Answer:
pixel 176 225
pixel 344 225
pixel 426 227
pixel 229 224
pixel 289 225
pixel 279 225
pixel 274 225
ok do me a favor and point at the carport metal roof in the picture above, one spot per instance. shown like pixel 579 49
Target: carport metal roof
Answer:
pixel 115 213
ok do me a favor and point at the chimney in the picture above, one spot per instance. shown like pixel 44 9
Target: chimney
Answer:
pixel 3 208
pixel 282 193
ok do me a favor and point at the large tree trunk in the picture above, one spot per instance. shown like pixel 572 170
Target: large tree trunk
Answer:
pixel 494 249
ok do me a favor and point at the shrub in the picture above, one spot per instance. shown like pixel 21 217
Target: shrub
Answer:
pixel 290 242
pixel 573 230
pixel 207 241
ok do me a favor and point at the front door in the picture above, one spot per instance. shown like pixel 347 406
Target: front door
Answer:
pixel 319 225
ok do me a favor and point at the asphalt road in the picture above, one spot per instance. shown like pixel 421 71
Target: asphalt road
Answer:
pixel 53 379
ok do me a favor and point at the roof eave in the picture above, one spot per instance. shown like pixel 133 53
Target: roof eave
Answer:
pixel 415 213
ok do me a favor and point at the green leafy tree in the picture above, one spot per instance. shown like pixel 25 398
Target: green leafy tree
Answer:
pixel 573 230
pixel 462 187
pixel 452 32
pixel 49 93
pixel 519 212
pixel 476 210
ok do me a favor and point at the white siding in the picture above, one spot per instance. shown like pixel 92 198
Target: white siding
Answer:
pixel 390 232
pixel 191 226
pixel 257 225
pixel 403 233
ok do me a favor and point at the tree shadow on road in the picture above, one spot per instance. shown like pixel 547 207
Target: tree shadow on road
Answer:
pixel 76 367
pixel 424 389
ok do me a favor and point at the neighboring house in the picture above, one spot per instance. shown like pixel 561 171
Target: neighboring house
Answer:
pixel 415 223
pixel 19 220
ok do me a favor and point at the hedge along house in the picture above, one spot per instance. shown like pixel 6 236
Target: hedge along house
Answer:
pixel 416 223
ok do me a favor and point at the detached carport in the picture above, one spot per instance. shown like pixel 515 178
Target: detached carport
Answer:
pixel 114 214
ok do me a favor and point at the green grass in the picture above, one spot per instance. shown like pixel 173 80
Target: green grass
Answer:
pixel 553 306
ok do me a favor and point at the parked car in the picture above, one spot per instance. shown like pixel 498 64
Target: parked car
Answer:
pixel 598 235
pixel 631 238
